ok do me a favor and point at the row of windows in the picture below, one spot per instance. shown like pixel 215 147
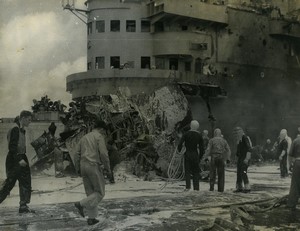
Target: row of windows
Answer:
pixel 115 26
pixel 115 63
pixel 173 64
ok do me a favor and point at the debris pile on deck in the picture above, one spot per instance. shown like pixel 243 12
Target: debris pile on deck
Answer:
pixel 143 128
pixel 251 215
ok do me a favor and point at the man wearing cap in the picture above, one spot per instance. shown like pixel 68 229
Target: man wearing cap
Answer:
pixel 17 165
pixel 193 142
pixel 243 157
pixel 91 159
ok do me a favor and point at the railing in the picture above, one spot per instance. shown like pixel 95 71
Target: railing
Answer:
pixel 191 9
pixel 122 73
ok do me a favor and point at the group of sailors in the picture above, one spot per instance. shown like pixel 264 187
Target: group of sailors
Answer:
pixel 281 151
pixel 217 153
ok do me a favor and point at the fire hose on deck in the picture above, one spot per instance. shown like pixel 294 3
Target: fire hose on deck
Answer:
pixel 176 167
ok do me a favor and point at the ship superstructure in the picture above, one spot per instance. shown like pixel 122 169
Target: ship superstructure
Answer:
pixel 251 48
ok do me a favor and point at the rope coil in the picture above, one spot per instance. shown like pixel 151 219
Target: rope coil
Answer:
pixel 176 167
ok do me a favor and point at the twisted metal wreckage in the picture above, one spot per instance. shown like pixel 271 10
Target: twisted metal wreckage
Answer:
pixel 142 128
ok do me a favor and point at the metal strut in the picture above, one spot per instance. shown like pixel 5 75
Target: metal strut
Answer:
pixel 75 11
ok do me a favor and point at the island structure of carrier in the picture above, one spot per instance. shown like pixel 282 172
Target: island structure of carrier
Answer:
pixel 249 48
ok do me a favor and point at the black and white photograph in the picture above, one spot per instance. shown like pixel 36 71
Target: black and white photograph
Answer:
pixel 149 115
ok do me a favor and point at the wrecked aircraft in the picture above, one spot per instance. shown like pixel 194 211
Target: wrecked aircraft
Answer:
pixel 144 128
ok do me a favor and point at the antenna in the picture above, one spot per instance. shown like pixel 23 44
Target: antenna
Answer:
pixel 70 5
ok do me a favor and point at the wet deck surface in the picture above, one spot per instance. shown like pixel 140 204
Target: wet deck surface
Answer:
pixel 186 211
pixel 148 208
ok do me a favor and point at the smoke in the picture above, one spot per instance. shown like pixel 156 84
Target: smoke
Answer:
pixel 38 51
pixel 18 94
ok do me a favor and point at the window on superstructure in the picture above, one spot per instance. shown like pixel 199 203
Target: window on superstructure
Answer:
pixel 90 28
pixel 115 61
pixel 173 64
pixel 184 28
pixel 198 65
pixel 145 26
pixel 100 26
pixel 99 62
pixel 115 25
pixel 89 65
pixel 187 66
pixel 159 27
pixel 130 26
pixel 145 62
